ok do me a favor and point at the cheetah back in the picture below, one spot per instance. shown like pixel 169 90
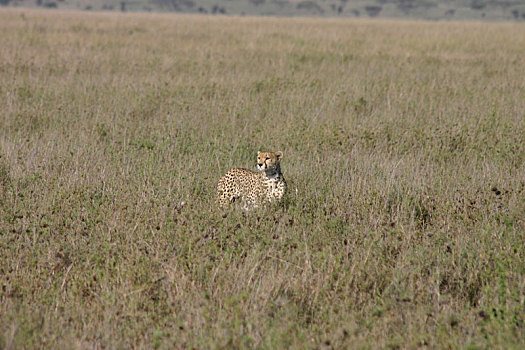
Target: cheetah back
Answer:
pixel 240 184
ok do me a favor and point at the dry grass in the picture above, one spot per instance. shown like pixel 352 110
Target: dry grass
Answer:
pixel 404 141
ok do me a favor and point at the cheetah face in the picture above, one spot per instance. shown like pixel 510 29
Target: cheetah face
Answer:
pixel 268 160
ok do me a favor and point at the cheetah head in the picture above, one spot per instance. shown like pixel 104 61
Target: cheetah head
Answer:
pixel 268 160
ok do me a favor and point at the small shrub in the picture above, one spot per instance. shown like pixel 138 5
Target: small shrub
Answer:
pixel 373 11
pixel 309 5
pixel 257 2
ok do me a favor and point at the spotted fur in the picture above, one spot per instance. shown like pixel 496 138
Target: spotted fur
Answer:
pixel 252 188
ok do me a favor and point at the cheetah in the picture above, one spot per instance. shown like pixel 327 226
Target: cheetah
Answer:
pixel 253 188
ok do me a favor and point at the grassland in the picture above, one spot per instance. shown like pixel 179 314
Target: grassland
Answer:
pixel 403 148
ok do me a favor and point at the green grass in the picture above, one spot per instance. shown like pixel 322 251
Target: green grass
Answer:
pixel 403 150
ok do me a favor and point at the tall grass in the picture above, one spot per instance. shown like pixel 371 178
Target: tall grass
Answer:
pixel 403 150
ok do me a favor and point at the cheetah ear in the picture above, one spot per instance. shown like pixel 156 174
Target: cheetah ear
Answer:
pixel 258 153
pixel 279 155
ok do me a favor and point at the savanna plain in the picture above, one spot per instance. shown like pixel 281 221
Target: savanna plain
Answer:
pixel 404 152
